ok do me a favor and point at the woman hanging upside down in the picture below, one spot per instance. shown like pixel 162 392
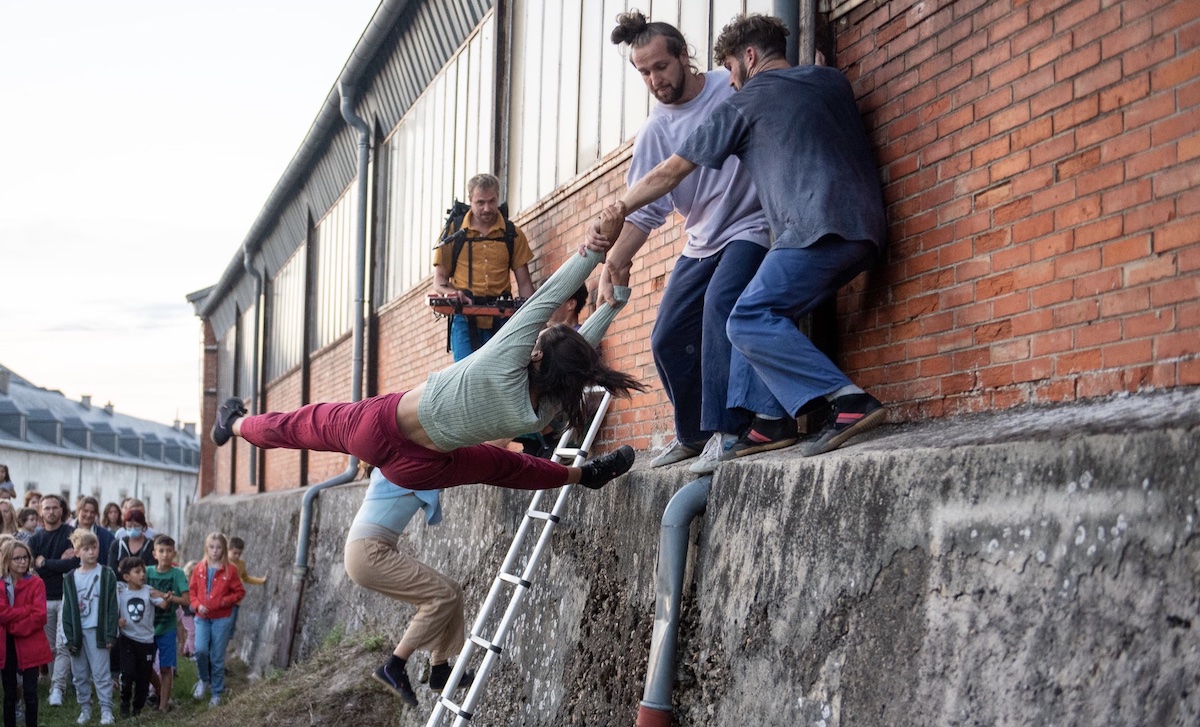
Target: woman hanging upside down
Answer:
pixel 433 435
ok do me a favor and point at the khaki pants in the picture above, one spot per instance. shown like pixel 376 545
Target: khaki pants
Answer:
pixel 439 625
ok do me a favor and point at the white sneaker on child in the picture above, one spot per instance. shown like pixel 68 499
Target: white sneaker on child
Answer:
pixel 198 691
pixel 106 717
pixel 85 715
pixel 216 699
pixel 55 697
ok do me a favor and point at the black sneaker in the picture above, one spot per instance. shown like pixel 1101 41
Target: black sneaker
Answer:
pixel 763 436
pixel 226 413
pixel 604 469
pixel 851 415
pixel 397 684
pixel 437 680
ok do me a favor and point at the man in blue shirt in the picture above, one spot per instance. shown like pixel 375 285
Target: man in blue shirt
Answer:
pixel 798 133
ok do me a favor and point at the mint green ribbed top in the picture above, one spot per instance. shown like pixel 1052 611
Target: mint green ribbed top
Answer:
pixel 486 395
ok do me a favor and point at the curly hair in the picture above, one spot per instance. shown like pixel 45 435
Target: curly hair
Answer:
pixel 568 366
pixel 767 34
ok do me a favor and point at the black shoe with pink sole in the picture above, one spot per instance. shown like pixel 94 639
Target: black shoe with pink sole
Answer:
pixel 851 415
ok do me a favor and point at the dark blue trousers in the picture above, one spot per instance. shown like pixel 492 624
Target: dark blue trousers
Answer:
pixel 691 349
pixel 776 369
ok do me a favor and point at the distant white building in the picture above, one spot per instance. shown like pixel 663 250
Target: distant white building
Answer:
pixel 72 448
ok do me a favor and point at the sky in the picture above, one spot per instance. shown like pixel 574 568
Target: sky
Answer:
pixel 138 143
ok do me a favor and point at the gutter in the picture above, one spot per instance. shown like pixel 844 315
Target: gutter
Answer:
pixel 329 118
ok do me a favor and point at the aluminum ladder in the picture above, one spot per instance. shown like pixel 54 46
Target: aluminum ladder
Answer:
pixel 508 576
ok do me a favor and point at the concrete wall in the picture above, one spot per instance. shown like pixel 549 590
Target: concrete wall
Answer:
pixel 1032 567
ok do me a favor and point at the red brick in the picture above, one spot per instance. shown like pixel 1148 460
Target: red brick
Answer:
pixel 1174 345
pixel 1127 353
pixel 1172 15
pixel 1057 46
pixel 1074 13
pixel 1014 210
pixel 1077 212
pixel 1036 369
pixel 1156 50
pixel 1071 166
pixel 1103 281
pixel 1149 324
pixel 1032 133
pixel 1053 245
pixel 1098 334
pixel 1177 234
pixel 1011 304
pixel 1169 292
pixel 1125 301
pixel 1127 36
pixel 1119 252
pixel 1127 195
pixel 1048 295
pixel 1052 342
pixel 1171 74
pixel 1079 361
pixel 1148 217
pixel 1009 351
pixel 1181 177
pixel 1125 93
pixel 1011 257
pixel 1150 269
pixel 1052 98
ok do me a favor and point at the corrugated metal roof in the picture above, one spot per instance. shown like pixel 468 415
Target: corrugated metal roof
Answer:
pixel 402 50
pixel 45 410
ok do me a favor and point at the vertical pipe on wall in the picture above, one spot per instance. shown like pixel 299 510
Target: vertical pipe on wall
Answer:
pixel 300 568
pixel 253 353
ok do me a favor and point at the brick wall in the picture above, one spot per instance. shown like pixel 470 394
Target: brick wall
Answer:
pixel 282 467
pixel 1040 162
pixel 1040 165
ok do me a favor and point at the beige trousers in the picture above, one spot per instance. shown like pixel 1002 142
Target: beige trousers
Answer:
pixel 439 625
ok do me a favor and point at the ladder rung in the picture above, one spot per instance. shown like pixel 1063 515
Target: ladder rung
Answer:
pixel 456 709
pixel 571 452
pixel 480 641
pixel 542 515
pixel 515 580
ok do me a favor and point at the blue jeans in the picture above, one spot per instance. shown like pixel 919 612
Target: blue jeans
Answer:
pixel 776 370
pixel 212 638
pixel 460 336
pixel 691 349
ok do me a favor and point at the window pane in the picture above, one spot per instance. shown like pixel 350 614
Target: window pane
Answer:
pixel 568 101
pixel 593 44
pixel 547 141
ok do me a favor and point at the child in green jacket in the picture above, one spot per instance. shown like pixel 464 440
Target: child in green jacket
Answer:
pixel 89 621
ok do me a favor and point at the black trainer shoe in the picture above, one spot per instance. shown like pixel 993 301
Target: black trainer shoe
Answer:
pixel 397 684
pixel 851 415
pixel 763 436
pixel 437 680
pixel 226 413
pixel 607 467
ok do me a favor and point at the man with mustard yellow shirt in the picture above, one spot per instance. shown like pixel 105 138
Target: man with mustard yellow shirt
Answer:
pixel 491 248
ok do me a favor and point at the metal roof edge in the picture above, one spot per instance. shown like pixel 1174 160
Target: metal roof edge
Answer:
pixel 84 454
pixel 328 118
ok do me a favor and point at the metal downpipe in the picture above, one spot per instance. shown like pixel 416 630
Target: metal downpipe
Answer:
pixel 685 505
pixel 300 567
pixel 255 384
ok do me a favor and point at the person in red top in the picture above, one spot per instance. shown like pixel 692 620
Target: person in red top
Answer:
pixel 22 630
pixel 215 588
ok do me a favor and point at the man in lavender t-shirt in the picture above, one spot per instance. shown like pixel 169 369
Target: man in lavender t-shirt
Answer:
pixel 727 238
pixel 798 132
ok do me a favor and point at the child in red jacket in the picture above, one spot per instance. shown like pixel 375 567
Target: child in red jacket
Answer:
pixel 215 588
pixel 22 630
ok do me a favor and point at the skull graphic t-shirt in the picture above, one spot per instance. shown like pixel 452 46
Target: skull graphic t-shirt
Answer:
pixel 137 610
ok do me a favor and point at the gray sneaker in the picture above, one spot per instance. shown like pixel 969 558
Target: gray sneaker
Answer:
pixel 676 451
pixel 718 445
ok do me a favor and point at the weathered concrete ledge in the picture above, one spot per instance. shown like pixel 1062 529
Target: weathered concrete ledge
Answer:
pixel 1033 567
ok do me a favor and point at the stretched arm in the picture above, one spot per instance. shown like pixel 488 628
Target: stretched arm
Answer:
pixel 657 182
pixel 620 259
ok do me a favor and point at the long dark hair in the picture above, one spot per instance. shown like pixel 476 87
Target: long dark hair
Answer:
pixel 569 365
